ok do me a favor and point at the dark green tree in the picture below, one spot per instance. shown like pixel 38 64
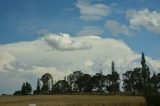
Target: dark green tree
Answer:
pixel 145 76
pixel 128 81
pixel 72 80
pixel 98 82
pixel 108 82
pixel 137 80
pixel 47 83
pixel 158 75
pixel 45 89
pixel 132 81
pixel 28 88
pixel 38 87
pixel 17 93
pixel 154 84
pixel 61 86
pixel 115 79
pixel 84 83
pixel 23 89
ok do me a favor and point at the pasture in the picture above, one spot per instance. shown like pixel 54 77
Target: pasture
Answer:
pixel 72 100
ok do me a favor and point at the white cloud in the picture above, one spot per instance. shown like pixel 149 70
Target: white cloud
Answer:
pixel 90 30
pixel 5 61
pixel 57 75
pixel 116 28
pixel 92 12
pixel 65 43
pixel 144 18
pixel 88 63
pixel 153 64
pixel 29 60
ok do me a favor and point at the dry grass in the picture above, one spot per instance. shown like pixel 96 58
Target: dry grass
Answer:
pixel 72 100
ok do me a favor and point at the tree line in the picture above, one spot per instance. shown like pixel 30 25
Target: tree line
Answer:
pixel 137 81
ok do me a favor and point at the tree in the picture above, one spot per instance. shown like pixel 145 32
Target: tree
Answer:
pixel 137 80
pixel 72 80
pixel 61 86
pixel 154 83
pixel 17 93
pixel 113 68
pixel 47 83
pixel 115 82
pixel 115 79
pixel 28 88
pixel 98 82
pixel 145 76
pixel 45 89
pixel 38 86
pixel 108 82
pixel 158 75
pixel 128 81
pixel 132 81
pixel 23 89
pixel 84 83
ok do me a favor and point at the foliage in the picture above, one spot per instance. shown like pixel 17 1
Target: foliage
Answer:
pixel 113 80
pixel 72 80
pixel 26 88
pixel 23 89
pixel 47 83
pixel 38 87
pixel 84 83
pixel 17 92
pixel 98 81
pixel 154 84
pixel 61 86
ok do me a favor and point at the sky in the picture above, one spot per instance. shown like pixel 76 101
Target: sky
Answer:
pixel 62 36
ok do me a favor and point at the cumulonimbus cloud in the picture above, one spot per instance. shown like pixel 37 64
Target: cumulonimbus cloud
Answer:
pixel 29 64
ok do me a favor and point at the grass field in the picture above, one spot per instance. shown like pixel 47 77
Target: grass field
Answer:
pixel 72 100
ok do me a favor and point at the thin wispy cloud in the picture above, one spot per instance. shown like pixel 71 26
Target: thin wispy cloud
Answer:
pixel 90 30
pixel 117 29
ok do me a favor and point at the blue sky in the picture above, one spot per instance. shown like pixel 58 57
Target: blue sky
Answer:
pixel 39 36
pixel 22 20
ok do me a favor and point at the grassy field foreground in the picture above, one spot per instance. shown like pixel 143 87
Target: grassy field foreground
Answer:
pixel 72 100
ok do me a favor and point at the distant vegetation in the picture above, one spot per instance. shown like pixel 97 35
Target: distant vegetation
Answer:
pixel 137 81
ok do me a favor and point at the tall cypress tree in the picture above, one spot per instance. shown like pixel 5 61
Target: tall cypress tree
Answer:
pixel 145 76
pixel 145 69
pixel 113 69
pixel 38 86
pixel 114 79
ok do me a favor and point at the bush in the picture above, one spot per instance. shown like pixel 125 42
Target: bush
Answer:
pixel 17 93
